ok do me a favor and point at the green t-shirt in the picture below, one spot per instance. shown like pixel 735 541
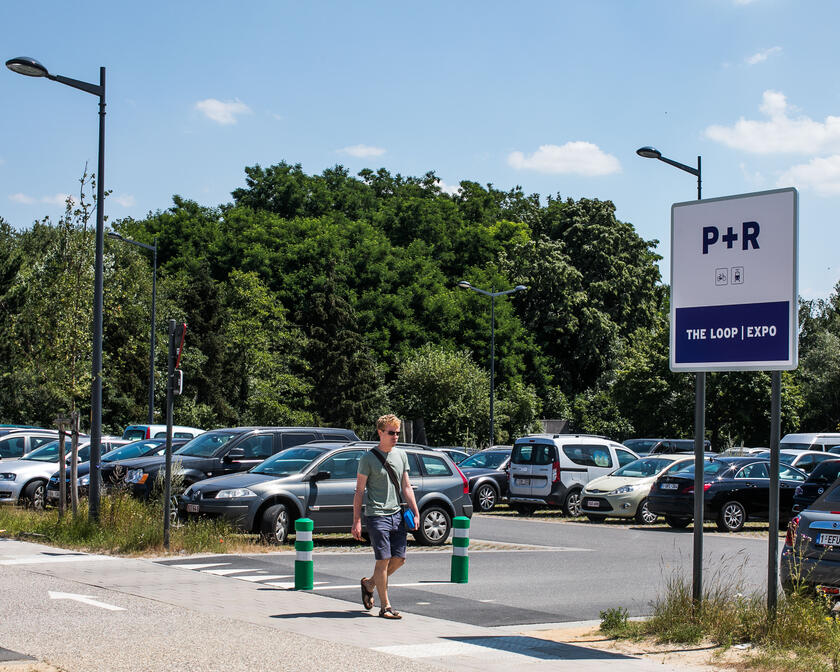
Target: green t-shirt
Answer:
pixel 381 498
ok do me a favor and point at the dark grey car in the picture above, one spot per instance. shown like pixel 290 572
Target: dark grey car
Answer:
pixel 318 481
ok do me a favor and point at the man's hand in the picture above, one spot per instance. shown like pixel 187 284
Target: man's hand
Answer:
pixel 416 518
pixel 356 530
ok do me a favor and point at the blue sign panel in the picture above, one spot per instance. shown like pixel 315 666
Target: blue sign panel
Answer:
pixel 749 332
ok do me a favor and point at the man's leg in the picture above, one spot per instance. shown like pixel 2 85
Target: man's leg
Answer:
pixel 394 564
pixel 380 579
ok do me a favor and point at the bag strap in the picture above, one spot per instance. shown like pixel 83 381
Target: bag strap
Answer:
pixel 391 473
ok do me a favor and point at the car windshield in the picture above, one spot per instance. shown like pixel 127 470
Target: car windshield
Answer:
pixel 795 446
pixel 205 445
pixel 712 468
pixel 289 461
pixel 47 453
pixel 134 449
pixel 649 466
pixel 827 471
pixel 784 458
pixel 641 445
pixel 490 460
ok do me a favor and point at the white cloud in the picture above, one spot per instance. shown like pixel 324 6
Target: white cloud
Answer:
pixel 56 199
pixel 780 133
pixel 362 151
pixel 125 200
pixel 222 112
pixel 21 198
pixel 754 178
pixel 762 56
pixel 579 158
pixel 450 189
pixel 821 175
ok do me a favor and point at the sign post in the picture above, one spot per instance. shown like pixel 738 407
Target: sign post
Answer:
pixel 734 307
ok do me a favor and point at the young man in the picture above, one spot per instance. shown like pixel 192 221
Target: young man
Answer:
pixel 383 513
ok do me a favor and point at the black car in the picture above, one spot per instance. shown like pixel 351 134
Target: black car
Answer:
pixel 644 447
pixel 818 481
pixel 486 472
pixel 109 467
pixel 736 489
pixel 223 451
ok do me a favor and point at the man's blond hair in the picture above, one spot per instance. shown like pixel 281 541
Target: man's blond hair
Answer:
pixel 386 420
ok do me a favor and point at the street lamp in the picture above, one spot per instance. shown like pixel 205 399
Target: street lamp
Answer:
pixel 24 65
pixel 699 413
pixel 153 248
pixel 463 284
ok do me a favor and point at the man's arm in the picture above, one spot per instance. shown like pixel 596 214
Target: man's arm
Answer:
pixel 356 530
pixel 408 496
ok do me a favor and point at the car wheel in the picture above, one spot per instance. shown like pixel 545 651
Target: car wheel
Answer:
pixel 274 526
pixel 644 516
pixel 732 517
pixel 572 505
pixel 676 522
pixel 485 498
pixel 34 495
pixel 435 525
pixel 525 509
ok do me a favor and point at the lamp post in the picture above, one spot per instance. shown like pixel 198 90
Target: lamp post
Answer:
pixel 24 65
pixel 699 413
pixel 153 248
pixel 463 284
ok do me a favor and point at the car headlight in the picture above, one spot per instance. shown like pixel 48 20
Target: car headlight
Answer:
pixel 85 480
pixel 8 477
pixel 136 476
pixel 623 490
pixel 236 493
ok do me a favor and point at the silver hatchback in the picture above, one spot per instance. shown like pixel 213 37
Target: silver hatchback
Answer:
pixel 318 481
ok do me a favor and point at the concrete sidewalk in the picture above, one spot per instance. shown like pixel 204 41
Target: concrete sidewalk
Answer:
pixel 212 622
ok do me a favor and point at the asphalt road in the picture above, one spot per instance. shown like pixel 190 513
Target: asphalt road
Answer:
pixel 538 572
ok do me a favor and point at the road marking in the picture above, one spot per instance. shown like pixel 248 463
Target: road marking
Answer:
pixel 390 585
pixel 40 559
pixel 291 584
pixel 200 565
pixel 226 572
pixel 264 577
pixel 84 599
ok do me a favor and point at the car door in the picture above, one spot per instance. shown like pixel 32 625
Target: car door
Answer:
pixel 521 462
pixel 247 453
pixel 789 478
pixel 331 499
pixel 542 468
pixel 601 462
pixel 752 488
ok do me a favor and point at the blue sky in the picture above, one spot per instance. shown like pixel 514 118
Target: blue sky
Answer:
pixel 553 96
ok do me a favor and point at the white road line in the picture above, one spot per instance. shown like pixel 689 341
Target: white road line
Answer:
pixel 288 584
pixel 200 565
pixel 390 585
pixel 41 559
pixel 226 572
pixel 264 577
pixel 84 599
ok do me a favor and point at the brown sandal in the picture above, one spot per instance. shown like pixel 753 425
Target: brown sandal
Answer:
pixel 390 614
pixel 367 597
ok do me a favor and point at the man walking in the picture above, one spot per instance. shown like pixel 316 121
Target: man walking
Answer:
pixel 379 470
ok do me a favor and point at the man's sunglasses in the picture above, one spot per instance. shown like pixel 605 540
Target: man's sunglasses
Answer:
pixel 391 432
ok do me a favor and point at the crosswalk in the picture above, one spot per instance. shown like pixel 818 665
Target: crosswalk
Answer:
pixel 249 574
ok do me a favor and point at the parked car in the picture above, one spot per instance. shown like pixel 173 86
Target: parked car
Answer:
pixel 16 441
pixel 824 441
pixel 811 552
pixel 736 489
pixel 486 473
pixel 109 465
pixel 818 481
pixel 455 454
pixel 134 432
pixel 24 481
pixel 223 451
pixel 744 451
pixel 804 460
pixel 318 481
pixel 651 446
pixel 624 492
pixel 551 469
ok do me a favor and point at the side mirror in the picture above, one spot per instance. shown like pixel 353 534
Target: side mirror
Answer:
pixel 320 476
pixel 234 454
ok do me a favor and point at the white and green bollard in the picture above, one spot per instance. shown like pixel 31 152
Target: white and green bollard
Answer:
pixel 460 543
pixel 304 565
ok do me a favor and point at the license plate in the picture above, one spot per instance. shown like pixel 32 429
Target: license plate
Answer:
pixel 669 486
pixel 593 503
pixel 521 481
pixel 192 508
pixel 828 539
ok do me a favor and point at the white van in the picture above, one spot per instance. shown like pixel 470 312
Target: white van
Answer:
pixel 814 441
pixel 551 469
pixel 135 432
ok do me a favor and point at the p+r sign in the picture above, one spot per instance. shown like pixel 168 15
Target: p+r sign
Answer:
pixel 734 283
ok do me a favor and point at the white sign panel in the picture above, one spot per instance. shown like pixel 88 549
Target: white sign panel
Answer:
pixel 734 283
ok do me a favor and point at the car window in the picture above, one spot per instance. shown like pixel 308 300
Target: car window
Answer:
pixel 434 465
pixel 289 461
pixel 343 465
pixel 331 436
pixel 711 468
pixel 624 457
pixel 826 471
pixel 642 468
pixel 833 495
pixel 257 447
pixel 135 434
pixel 12 447
pixel 84 453
pixel 206 445
pixel 488 460
pixel 35 441
pixel 413 465
pixel 579 455
pixel 292 439
pixel 533 453
pixel 755 470
pixel 790 474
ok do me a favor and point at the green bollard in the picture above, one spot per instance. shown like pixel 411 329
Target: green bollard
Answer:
pixel 460 542
pixel 304 565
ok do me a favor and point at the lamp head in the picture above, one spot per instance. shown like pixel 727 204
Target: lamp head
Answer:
pixel 463 284
pixel 519 288
pixel 24 65
pixel 649 153
pixel 114 234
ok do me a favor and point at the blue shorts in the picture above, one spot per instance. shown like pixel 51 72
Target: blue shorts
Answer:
pixel 387 535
